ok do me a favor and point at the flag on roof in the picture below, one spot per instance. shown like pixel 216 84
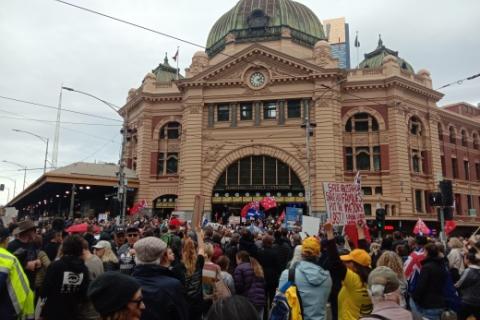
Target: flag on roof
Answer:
pixel 357 43
pixel 175 57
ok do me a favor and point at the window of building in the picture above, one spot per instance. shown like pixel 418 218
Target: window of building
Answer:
pixel 476 144
pixel 458 203
pixel 246 111
pixel 223 113
pixel 349 159
pixel 171 131
pixel 415 126
pixel 362 122
pixel 367 191
pixel 294 108
pixel 367 207
pixel 418 201
pixel 454 168
pixel 444 171
pixel 477 170
pixel 172 163
pixel 453 136
pixel 440 132
pixel 466 169
pixel 377 160
pixel 464 138
pixel 270 110
pixel 415 161
pixel 378 190
pixel 167 163
pixel 362 158
pixel 469 202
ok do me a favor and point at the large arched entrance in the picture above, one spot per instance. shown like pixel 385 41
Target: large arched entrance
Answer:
pixel 164 205
pixel 251 179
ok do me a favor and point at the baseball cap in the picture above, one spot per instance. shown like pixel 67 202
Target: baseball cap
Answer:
pixel 382 280
pixel 311 246
pixel 102 244
pixel 359 256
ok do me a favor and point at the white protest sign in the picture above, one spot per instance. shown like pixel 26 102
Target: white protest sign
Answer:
pixel 311 225
pixel 344 203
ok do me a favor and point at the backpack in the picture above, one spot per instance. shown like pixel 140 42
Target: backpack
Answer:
pixel 167 238
pixel 287 303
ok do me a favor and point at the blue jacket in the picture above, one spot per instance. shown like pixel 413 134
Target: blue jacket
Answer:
pixel 314 285
pixel 163 294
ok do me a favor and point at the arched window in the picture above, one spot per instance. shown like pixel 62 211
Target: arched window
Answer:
pixel 170 131
pixel 464 138
pixel 440 132
pixel 476 142
pixel 453 135
pixel 362 158
pixel 415 126
pixel 167 163
pixel 361 122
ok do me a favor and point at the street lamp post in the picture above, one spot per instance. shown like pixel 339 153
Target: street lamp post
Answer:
pixel 24 168
pixel 14 184
pixel 122 185
pixel 44 139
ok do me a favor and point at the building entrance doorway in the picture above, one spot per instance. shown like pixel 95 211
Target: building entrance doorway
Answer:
pixel 164 205
pixel 251 179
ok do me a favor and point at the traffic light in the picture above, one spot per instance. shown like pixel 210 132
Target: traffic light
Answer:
pixel 435 199
pixel 380 218
pixel 448 213
pixel 447 192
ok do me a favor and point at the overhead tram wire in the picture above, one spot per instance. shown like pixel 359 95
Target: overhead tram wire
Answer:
pixel 459 82
pixel 56 108
pixel 62 122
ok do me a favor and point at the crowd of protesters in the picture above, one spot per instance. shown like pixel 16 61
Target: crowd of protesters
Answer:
pixel 164 269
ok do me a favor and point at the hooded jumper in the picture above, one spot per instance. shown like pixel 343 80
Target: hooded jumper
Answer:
pixel 314 285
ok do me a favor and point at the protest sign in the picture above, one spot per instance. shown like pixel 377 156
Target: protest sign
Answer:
pixel 293 219
pixel 344 203
pixel 197 212
pixel 311 225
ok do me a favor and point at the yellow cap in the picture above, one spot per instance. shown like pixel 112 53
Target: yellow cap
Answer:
pixel 359 256
pixel 311 246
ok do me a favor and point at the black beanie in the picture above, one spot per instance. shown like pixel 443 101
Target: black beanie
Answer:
pixel 111 292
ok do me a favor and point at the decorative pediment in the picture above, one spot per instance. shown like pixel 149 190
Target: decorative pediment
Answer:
pixel 281 68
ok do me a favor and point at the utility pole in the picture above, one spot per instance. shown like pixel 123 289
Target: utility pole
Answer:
pixel 72 202
pixel 308 191
pixel 57 131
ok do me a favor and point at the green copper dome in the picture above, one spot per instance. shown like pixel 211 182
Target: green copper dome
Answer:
pixel 262 20
pixel 374 59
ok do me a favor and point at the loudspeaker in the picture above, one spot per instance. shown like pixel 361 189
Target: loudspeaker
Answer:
pixel 435 199
pixel 447 192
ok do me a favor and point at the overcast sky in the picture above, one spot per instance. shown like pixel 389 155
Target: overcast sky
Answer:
pixel 44 43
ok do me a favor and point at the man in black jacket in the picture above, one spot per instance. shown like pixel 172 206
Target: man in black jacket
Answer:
pixel 66 282
pixel 163 294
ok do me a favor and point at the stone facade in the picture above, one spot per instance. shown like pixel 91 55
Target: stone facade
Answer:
pixel 384 122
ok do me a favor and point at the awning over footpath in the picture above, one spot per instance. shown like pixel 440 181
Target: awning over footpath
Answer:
pixel 94 186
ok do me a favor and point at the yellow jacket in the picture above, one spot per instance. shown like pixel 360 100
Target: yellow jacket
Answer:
pixel 16 282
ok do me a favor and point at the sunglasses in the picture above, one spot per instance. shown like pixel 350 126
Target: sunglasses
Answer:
pixel 138 302
pixel 131 235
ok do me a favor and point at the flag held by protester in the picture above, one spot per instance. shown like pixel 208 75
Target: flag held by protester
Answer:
pixel 268 203
pixel 421 228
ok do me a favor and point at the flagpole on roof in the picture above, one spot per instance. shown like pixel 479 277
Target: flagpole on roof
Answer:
pixel 357 45
pixel 175 57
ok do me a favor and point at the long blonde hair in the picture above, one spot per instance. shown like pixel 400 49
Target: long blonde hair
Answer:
pixel 189 256
pixel 393 261
pixel 109 256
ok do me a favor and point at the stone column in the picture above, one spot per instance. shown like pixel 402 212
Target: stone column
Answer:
pixel 400 183
pixel 190 174
pixel 281 112
pixel 256 113
pixel 327 143
pixel 144 157
pixel 233 114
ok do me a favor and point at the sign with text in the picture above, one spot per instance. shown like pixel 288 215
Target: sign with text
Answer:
pixel 344 203
pixel 293 219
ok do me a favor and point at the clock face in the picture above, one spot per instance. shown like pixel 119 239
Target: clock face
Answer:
pixel 257 79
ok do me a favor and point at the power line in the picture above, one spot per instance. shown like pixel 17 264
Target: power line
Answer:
pixel 103 146
pixel 53 121
pixel 459 82
pixel 56 108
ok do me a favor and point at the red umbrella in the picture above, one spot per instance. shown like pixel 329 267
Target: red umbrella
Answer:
pixel 82 228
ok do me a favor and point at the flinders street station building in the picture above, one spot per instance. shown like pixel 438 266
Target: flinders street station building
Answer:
pixel 269 109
